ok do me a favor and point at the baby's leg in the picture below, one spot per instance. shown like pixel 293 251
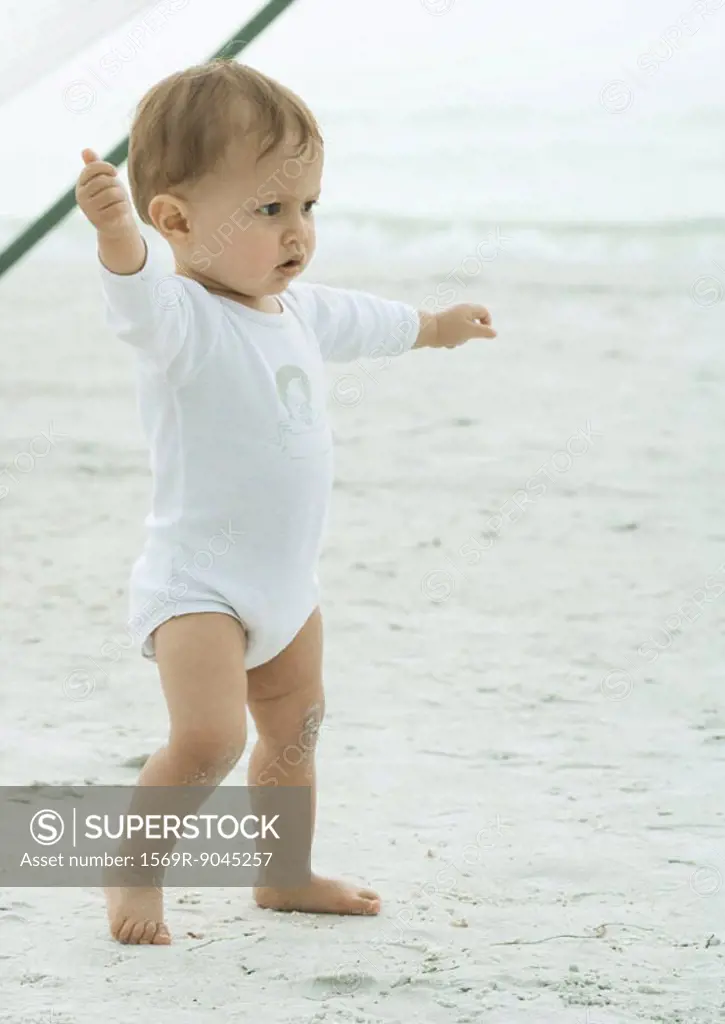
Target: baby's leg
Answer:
pixel 201 663
pixel 286 700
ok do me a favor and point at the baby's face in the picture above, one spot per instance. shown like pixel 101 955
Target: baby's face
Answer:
pixel 247 220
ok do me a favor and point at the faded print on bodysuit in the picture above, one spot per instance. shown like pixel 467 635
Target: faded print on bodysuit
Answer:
pixel 302 430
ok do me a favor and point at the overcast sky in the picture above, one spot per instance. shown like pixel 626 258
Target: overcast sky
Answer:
pixel 344 55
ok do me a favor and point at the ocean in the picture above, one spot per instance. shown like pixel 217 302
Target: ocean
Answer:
pixel 561 146
pixel 522 574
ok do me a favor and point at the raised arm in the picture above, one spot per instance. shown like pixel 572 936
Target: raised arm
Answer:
pixel 104 201
pixel 166 317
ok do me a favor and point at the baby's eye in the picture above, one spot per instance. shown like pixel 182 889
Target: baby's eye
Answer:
pixel 270 209
pixel 310 204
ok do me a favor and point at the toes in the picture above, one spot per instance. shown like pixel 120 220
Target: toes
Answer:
pixel 141 933
pixel 148 934
pixel 361 906
pixel 323 896
pixel 371 900
pixel 366 902
pixel 137 932
pixel 123 930
pixel 162 937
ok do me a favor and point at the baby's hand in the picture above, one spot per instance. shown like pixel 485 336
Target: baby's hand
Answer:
pixel 103 199
pixel 454 327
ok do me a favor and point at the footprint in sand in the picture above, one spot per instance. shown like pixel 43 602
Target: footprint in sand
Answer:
pixel 344 982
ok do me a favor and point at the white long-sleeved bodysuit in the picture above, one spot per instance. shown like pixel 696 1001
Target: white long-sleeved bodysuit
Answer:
pixel 232 403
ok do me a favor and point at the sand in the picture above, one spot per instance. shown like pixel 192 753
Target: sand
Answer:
pixel 546 835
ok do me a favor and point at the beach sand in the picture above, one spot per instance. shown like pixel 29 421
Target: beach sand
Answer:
pixel 523 749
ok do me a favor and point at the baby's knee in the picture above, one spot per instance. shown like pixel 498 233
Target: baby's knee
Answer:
pixel 313 715
pixel 209 754
pixel 293 728
pixel 306 725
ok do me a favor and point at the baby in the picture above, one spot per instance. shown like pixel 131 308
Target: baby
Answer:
pixel 226 165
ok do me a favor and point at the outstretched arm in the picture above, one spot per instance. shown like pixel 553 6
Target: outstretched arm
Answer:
pixel 454 327
pixel 351 324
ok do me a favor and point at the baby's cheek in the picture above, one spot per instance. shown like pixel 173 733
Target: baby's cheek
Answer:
pixel 260 244
pixel 251 254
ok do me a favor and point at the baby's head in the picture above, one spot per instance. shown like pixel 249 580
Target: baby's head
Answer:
pixel 226 164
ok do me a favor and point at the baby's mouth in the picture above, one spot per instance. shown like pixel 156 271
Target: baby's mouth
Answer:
pixel 292 264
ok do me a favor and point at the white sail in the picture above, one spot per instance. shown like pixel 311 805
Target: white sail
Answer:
pixel 39 37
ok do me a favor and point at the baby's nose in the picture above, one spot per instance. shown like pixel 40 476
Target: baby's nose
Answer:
pixel 295 235
pixel 296 224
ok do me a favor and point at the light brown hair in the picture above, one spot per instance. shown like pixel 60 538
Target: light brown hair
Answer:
pixel 184 124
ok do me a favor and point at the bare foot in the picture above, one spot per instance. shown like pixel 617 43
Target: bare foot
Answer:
pixel 136 916
pixel 320 896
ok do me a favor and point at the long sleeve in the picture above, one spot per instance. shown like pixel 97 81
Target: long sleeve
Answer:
pixel 353 325
pixel 170 320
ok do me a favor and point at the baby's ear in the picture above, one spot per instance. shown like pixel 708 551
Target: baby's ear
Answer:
pixel 169 217
pixel 178 221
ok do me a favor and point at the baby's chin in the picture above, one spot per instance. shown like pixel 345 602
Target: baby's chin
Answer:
pixel 274 283
pixel 277 287
pixel 279 284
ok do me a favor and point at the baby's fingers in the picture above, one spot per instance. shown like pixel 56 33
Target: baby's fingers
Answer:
pixel 111 197
pixel 95 167
pixel 483 331
pixel 479 313
pixel 100 186
pixel 480 320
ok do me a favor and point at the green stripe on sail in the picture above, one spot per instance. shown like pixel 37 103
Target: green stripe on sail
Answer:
pixel 63 206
